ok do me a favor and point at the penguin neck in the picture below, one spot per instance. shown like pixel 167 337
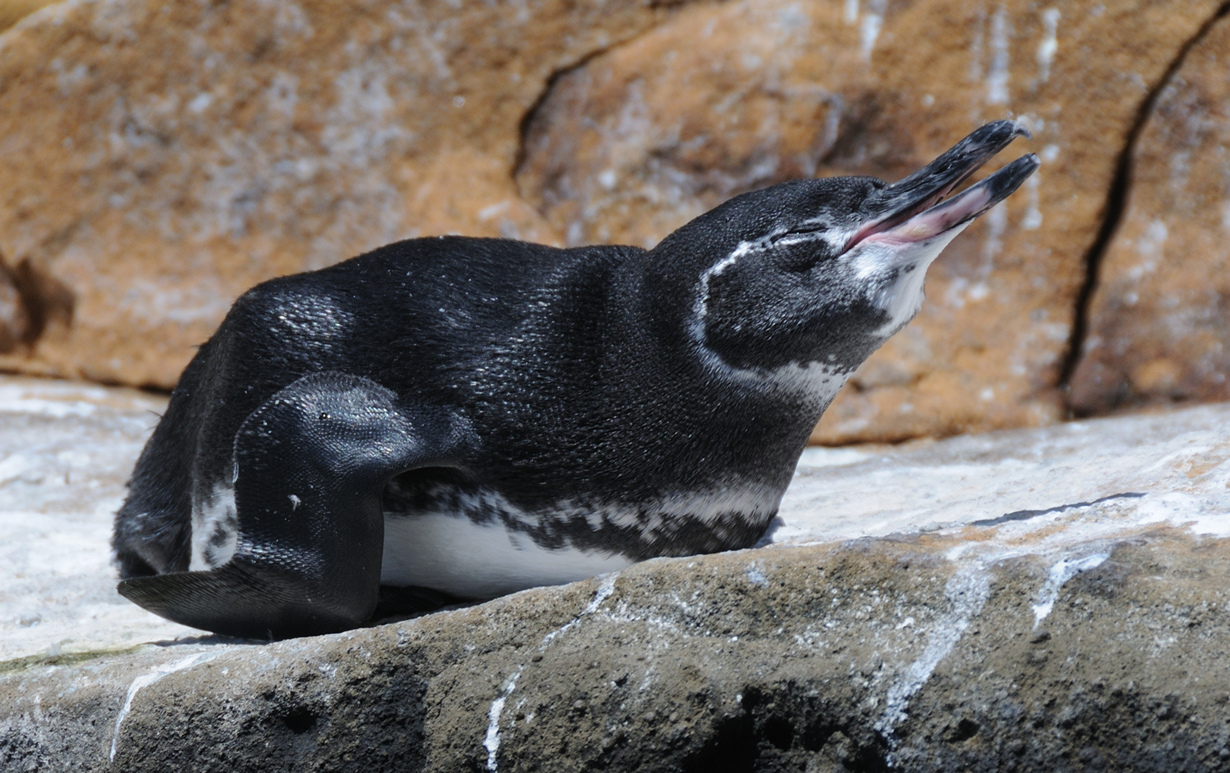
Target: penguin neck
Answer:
pixel 647 419
pixel 762 413
pixel 673 308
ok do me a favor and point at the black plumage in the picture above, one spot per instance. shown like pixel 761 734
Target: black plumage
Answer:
pixel 432 374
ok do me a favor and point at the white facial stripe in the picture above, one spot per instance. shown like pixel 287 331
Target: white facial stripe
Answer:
pixel 701 307
pixel 819 381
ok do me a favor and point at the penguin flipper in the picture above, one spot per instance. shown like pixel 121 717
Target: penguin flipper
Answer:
pixel 242 599
pixel 310 466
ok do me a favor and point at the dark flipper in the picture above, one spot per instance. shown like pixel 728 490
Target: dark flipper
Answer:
pixel 311 464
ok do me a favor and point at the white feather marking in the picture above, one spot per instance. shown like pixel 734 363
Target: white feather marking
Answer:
pixel 450 552
pixel 879 255
pixel 453 554
pixel 701 308
pixel 215 529
pixel 818 382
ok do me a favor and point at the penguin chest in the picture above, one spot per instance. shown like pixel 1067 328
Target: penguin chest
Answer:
pixel 479 559
pixel 479 545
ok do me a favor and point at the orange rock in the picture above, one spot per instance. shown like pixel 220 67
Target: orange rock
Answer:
pixel 749 93
pixel 13 11
pixel 161 158
pixel 1159 327
pixel 14 323
pixel 140 199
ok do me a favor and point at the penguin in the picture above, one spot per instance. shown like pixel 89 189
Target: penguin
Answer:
pixel 478 416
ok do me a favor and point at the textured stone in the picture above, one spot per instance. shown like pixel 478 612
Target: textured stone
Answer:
pixel 1041 600
pixel 749 93
pixel 270 138
pixel 13 11
pixel 1159 330
pixel 66 451
pixel 882 656
pixel 139 201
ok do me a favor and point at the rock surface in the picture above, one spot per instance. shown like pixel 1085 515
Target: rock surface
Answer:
pixel 139 202
pixel 1158 327
pixel 13 11
pixel 1050 599
pixel 66 451
pixel 749 93
pixel 271 138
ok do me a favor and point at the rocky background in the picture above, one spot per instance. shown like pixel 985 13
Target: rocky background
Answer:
pixel 1052 599
pixel 1045 598
pixel 158 158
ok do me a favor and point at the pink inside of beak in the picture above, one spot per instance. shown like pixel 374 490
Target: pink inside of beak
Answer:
pixel 930 222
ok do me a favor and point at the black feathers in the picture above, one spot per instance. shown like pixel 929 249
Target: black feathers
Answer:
pixel 608 403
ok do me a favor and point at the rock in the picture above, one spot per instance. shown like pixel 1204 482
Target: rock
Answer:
pixel 881 657
pixel 139 202
pixel 66 451
pixel 269 139
pixel 1158 328
pixel 744 94
pixel 13 11
pixel 1043 600
pixel 14 321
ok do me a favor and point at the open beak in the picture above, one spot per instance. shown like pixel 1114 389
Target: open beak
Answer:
pixel 914 209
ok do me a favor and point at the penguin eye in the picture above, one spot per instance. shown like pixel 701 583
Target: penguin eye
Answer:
pixel 803 254
pixel 799 249
pixel 805 232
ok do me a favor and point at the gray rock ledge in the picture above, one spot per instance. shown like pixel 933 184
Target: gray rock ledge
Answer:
pixel 1053 599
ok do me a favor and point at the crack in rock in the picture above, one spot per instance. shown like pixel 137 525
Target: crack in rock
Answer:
pixel 1116 205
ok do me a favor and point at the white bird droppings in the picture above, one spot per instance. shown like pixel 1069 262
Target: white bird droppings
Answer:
pixel 491 742
pixel 141 682
pixel 1060 574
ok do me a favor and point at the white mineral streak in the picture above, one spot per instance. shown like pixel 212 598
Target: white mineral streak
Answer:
pixel 1061 572
pixel 145 680
pixel 967 592
pixel 997 224
pixel 998 73
pixel 1151 249
pixel 1032 219
pixel 491 742
pixel 756 576
pixel 1049 43
pixel 869 30
pixel 976 47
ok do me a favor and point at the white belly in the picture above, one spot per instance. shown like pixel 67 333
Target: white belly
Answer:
pixel 453 554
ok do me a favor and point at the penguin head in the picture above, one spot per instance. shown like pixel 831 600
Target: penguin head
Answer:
pixel 826 270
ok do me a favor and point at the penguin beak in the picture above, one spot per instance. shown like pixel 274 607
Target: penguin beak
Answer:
pixel 910 210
